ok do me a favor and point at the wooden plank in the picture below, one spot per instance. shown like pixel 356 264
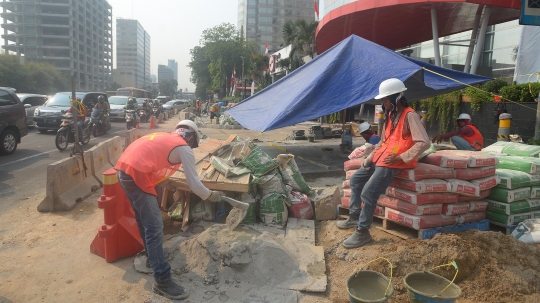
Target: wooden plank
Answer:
pixel 187 195
pixel 206 165
pixel 164 197
pixel 301 230
pixel 232 138
pixel 277 147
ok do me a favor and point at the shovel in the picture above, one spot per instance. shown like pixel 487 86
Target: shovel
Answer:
pixel 237 214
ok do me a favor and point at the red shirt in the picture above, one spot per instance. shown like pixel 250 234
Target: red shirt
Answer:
pixel 80 117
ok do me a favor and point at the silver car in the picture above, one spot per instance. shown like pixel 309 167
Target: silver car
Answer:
pixel 31 102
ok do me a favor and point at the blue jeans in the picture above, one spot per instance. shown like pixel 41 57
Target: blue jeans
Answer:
pixel 150 225
pixel 367 186
pixel 79 127
pixel 461 143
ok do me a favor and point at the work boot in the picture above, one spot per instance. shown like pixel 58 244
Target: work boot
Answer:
pixel 170 289
pixel 351 222
pixel 360 237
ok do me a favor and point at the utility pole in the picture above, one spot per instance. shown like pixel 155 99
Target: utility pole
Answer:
pixel 74 109
pixel 242 67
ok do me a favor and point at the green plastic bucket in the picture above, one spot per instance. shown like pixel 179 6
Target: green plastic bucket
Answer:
pixel 426 287
pixel 366 286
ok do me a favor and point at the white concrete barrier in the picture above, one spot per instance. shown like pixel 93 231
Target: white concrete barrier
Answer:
pixel 132 135
pixel 67 184
pixel 115 147
pixel 160 119
pixel 98 157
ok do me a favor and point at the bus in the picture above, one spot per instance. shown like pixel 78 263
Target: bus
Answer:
pixel 133 92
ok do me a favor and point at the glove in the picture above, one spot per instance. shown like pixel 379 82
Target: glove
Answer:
pixel 366 164
pixel 214 197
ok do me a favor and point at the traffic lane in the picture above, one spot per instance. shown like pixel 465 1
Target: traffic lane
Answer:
pixel 34 144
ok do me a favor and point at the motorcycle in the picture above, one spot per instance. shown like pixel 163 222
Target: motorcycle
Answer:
pixel 156 111
pixel 97 123
pixel 143 115
pixel 66 133
pixel 131 119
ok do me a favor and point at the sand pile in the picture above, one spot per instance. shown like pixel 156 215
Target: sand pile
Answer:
pixel 492 267
pixel 242 264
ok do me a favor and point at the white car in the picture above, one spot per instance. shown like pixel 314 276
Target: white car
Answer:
pixel 118 107
pixel 176 104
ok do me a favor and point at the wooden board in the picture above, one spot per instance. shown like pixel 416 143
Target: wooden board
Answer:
pixel 300 230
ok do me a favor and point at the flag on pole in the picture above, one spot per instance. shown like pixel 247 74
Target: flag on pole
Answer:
pixel 253 88
pixel 233 81
pixel 266 51
pixel 316 8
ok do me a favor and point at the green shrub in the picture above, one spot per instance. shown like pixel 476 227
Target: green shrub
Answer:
pixel 521 92
pixel 494 86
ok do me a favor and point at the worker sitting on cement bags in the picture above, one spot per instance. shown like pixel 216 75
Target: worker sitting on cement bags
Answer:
pixel 404 139
pixel 467 137
pixel 365 131
pixel 146 162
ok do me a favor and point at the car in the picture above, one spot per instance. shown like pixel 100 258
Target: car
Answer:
pixel 49 115
pixel 162 99
pixel 13 124
pixel 31 102
pixel 118 107
pixel 176 104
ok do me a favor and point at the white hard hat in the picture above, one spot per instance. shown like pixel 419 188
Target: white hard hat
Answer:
pixel 191 125
pixel 389 87
pixel 464 117
pixel 363 127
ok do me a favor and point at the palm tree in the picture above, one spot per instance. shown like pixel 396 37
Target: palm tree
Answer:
pixel 301 35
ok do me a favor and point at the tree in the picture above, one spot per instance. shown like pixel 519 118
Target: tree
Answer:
pixel 168 87
pixel 112 86
pixel 301 35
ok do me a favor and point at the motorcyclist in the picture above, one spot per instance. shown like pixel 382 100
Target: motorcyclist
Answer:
pixel 146 107
pixel 104 108
pixel 157 105
pixel 132 105
pixel 80 117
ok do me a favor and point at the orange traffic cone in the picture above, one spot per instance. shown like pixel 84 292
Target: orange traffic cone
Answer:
pixel 152 122
pixel 137 126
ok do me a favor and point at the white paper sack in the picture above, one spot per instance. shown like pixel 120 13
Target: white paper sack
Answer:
pixel 528 231
pixel 362 151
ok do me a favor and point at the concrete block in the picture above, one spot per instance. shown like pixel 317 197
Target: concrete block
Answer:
pixel 98 158
pixel 184 116
pixel 115 147
pixel 67 184
pixel 237 127
pixel 160 118
pixel 325 203
pixel 131 136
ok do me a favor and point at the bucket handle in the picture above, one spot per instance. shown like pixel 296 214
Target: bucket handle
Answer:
pixel 454 264
pixel 389 282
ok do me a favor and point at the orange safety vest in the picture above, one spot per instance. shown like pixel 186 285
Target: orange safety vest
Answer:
pixel 395 143
pixel 476 140
pixel 147 160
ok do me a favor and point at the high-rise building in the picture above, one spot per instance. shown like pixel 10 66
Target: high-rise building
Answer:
pixel 174 66
pixel 74 36
pixel 153 78
pixel 164 73
pixel 132 54
pixel 262 20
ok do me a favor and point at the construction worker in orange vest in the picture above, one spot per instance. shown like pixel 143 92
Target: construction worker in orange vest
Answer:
pixel 147 162
pixel 403 140
pixel 214 112
pixel 198 106
pixel 467 137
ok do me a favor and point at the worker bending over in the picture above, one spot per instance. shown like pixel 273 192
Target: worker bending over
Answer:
pixel 467 137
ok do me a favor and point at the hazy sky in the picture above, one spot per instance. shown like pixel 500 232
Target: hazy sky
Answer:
pixel 175 27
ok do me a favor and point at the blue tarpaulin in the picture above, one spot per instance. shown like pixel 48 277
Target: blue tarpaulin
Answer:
pixel 346 75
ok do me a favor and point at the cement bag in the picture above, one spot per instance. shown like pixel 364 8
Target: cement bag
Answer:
pixel 301 207
pixel 513 208
pixel 445 160
pixel 408 208
pixel 347 184
pixel 455 209
pixel 291 174
pixel 513 179
pixel 425 171
pixel 534 204
pixel 221 165
pixel 480 206
pixel 273 210
pixel 345 202
pixel 427 152
pixel 362 151
pixel 259 162
pixel 487 182
pixel 510 195
pixel 464 187
pixel 353 164
pixel 423 186
pixel 528 231
pixel 349 174
pixel 525 164
pixel 418 222
pixel 535 214
pixel 483 194
pixel 271 184
pixel 251 217
pixel 474 172
pixel 379 211
pixel 421 199
pixel 506 219
pixel 496 147
pixel 347 192
pixel 471 217
pixel 474 158
pixel 535 192
pixel 201 209
pixel 519 149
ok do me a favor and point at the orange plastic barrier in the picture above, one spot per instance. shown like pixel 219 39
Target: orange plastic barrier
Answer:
pixel 119 236
pixel 153 122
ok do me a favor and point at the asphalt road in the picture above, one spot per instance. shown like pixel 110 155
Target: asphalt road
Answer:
pixel 23 173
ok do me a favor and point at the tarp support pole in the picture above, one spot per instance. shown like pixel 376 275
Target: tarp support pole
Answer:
pixel 435 29
pixel 481 38
pixel 361 111
pixel 476 23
